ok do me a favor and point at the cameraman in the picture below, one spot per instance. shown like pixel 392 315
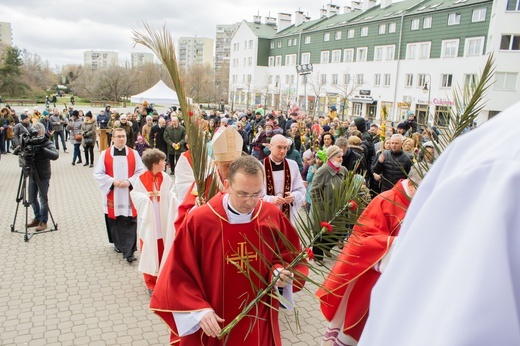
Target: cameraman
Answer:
pixel 21 128
pixel 42 154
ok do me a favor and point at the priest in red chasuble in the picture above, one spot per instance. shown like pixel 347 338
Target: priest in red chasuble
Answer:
pixel 155 202
pixel 345 294
pixel 213 270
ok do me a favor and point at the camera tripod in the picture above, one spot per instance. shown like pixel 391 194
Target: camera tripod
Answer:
pixel 29 172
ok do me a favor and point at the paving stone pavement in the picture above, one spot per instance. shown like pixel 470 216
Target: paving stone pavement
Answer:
pixel 69 287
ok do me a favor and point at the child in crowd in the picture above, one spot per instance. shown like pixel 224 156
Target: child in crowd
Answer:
pixel 141 145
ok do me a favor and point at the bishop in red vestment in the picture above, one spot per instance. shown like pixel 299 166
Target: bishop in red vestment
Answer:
pixel 201 284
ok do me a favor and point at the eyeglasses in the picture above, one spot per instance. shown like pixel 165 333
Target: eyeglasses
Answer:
pixel 247 196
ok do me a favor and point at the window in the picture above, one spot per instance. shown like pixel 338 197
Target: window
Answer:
pixel 513 5
pixel 350 33
pixel 388 79
pixel 250 61
pixel 421 80
pixel 250 44
pixel 505 81
pixel 249 78
pixel 479 15
pixel 359 78
pixel 289 42
pixel 390 52
pixel 323 79
pixel 324 57
pixel 361 54
pixel 278 60
pixel 415 24
pixel 271 61
pixel 410 51
pixel 244 63
pixel 450 48
pixel 294 41
pixel 279 44
pixel 442 115
pixel 336 56
pixel 306 58
pixel 510 42
pixel 427 23
pixel 364 31
pixel 290 60
pixel 454 19
pixel 272 45
pixel 334 79
pixel 346 79
pixel 378 53
pixel 348 55
pixel 377 79
pixel 337 35
pixel 307 40
pixel 446 80
pixel 326 37
pixel 474 46
pixel 408 80
pixel 392 27
pixel 424 50
pixel 470 80
pixel 382 29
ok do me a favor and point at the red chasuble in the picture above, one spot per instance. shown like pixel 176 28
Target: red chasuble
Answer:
pixel 353 272
pixel 200 272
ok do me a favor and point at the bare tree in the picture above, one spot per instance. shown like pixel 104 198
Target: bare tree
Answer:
pixel 345 90
pixel 115 83
pixel 37 73
pixel 199 83
pixel 317 85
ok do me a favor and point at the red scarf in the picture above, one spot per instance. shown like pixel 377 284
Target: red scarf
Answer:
pixel 334 167
pixel 286 209
pixel 109 169
pixel 152 183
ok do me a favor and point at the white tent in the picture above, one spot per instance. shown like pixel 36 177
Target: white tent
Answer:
pixel 160 94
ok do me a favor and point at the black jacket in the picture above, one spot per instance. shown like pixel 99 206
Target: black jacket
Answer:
pixel 350 160
pixel 395 167
pixel 43 154
pixel 157 138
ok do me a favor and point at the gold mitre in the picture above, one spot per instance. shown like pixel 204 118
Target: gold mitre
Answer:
pixel 227 144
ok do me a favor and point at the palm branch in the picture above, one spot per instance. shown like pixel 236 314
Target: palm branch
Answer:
pixel 161 43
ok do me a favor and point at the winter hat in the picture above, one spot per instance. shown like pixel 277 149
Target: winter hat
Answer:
pixel 402 126
pixel 23 116
pixel 322 155
pixel 89 114
pixel 139 138
pixel 333 151
pixel 74 113
pixel 326 128
pixel 307 154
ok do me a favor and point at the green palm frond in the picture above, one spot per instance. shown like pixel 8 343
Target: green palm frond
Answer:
pixel 161 43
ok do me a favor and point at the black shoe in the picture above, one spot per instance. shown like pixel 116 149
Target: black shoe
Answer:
pixel 80 161
pixel 85 164
pixel 117 250
pixel 91 165
pixel 131 259
pixel 73 164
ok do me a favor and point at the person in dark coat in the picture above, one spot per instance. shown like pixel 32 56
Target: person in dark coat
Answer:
pixel 392 165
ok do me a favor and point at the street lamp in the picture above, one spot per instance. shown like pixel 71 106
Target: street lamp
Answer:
pixel 304 70
pixel 428 89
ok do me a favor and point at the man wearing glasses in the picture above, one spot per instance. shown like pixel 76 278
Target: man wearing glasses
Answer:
pixel 116 171
pixel 224 253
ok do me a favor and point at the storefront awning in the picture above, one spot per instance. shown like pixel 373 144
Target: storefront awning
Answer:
pixel 362 100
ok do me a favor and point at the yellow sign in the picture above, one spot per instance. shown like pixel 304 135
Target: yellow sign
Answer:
pixel 242 256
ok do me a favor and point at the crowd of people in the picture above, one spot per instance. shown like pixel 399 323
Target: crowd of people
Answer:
pixel 267 167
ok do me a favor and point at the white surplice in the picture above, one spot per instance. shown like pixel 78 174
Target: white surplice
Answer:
pixel 454 276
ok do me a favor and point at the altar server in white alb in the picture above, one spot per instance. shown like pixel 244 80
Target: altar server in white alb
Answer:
pixel 116 172
pixel 283 181
pixel 454 276
pixel 156 204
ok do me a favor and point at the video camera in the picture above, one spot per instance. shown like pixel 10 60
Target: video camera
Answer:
pixel 30 143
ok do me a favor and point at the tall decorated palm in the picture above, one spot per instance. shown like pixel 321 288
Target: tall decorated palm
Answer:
pixel 161 43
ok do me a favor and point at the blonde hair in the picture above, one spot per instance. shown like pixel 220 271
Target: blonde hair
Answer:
pixel 354 140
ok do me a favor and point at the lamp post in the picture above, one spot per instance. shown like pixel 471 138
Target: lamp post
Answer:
pixel 428 89
pixel 304 70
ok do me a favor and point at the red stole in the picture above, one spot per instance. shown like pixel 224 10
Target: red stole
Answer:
pixel 152 183
pixel 109 169
pixel 286 208
pixel 187 155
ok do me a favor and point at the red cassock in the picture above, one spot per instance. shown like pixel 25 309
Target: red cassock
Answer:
pixel 200 272
pixel 353 272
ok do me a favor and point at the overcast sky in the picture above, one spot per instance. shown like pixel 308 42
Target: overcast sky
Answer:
pixel 59 31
